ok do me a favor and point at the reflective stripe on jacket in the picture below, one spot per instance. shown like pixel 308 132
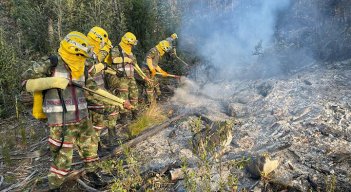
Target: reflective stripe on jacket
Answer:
pixel 73 97
pixel 128 67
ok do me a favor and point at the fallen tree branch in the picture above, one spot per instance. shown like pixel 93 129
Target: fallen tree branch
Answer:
pixel 144 135
pixel 32 155
pixel 148 133
pixel 44 140
pixel 22 183
pixel 1 180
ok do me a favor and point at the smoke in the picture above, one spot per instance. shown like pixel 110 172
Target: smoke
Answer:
pixel 240 40
pixel 231 36
pixel 235 40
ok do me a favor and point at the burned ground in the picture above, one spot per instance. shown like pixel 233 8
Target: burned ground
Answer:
pixel 301 119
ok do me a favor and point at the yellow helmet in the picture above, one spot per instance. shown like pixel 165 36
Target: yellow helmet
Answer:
pixel 99 35
pixel 165 45
pixel 76 43
pixel 174 36
pixel 129 39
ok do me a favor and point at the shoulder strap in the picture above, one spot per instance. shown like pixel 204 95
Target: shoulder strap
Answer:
pixel 121 52
pixel 86 73
pixel 54 62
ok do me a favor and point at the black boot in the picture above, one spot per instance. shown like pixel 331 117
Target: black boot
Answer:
pixel 112 136
pixel 124 119
pixel 94 179
pixel 135 114
pixel 55 190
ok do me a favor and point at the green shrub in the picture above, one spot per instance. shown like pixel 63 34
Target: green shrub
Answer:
pixel 9 78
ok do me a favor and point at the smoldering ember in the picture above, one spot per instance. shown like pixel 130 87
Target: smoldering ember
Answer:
pixel 235 95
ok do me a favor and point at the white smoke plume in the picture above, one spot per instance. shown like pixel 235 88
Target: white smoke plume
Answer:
pixel 231 35
pixel 240 40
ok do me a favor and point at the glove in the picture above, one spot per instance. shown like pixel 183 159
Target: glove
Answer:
pixel 99 67
pixel 119 60
pixel 147 79
pixel 110 71
pixel 164 74
pixel 45 83
pixel 153 73
pixel 127 105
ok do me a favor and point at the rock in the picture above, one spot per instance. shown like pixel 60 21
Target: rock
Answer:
pixel 237 110
pixel 307 82
pixel 213 138
pixel 264 89
pixel 261 166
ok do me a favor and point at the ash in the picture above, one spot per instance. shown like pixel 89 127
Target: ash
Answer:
pixel 301 119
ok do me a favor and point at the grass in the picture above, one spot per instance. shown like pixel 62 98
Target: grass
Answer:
pixel 330 183
pixel 152 116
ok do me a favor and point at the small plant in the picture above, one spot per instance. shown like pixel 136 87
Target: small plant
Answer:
pixel 330 183
pixel 7 142
pixel 117 186
pixel 33 134
pixel 196 125
pixel 126 172
pixel 152 116
pixel 189 177
pixel 10 178
pixel 23 136
pixel 233 182
pixel 240 163
pixel 5 150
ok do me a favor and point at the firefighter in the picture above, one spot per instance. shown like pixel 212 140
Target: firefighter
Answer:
pixel 65 107
pixel 172 41
pixel 151 68
pixel 99 39
pixel 123 83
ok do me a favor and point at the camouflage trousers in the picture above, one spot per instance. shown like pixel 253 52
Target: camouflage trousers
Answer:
pixel 125 88
pixel 82 136
pixel 152 90
pixel 98 122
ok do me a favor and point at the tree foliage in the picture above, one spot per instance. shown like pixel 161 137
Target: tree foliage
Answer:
pixel 34 28
pixel 9 84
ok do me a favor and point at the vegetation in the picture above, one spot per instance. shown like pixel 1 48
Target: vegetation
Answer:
pixel 9 83
pixel 152 116
pixel 31 29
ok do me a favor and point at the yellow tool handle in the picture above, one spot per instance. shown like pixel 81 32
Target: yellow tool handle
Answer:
pixel 169 75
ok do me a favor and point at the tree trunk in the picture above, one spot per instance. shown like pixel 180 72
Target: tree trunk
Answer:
pixel 51 33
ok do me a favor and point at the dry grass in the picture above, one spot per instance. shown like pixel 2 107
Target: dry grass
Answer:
pixel 152 116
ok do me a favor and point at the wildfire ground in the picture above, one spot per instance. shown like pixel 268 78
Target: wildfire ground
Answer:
pixel 302 119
